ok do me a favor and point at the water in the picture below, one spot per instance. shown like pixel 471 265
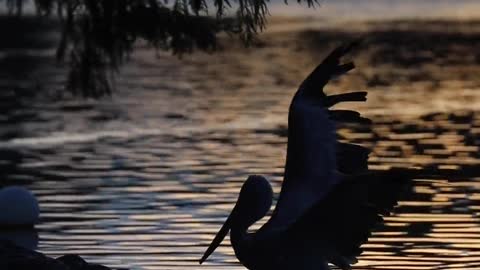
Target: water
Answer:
pixel 381 9
pixel 144 179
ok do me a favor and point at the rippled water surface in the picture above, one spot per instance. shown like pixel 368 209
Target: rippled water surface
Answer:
pixel 144 179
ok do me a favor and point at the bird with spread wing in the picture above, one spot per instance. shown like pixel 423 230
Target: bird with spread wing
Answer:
pixel 329 202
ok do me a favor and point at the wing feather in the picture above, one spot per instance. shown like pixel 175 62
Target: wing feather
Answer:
pixel 345 97
pixel 348 116
pixel 352 158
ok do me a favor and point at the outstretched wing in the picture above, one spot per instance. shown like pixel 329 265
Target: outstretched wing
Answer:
pixel 311 165
pixel 340 223
pixel 352 158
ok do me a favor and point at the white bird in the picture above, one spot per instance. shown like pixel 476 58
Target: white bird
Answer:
pixel 19 212
pixel 329 201
pixel 18 207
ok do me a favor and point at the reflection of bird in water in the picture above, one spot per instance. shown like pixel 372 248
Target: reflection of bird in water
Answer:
pixel 329 201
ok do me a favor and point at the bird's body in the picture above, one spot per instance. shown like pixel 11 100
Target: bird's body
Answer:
pixel 329 201
pixel 270 249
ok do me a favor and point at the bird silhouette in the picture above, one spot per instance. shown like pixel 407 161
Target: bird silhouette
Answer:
pixel 329 202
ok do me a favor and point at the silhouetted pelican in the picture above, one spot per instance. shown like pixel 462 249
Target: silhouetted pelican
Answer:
pixel 328 203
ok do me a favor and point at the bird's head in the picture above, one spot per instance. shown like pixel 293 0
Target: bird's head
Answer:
pixel 18 207
pixel 253 203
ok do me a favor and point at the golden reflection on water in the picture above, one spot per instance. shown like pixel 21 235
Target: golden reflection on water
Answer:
pixel 155 202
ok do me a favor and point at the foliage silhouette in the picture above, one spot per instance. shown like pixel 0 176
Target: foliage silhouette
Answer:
pixel 97 35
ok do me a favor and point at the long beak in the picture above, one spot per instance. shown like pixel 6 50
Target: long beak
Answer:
pixel 218 238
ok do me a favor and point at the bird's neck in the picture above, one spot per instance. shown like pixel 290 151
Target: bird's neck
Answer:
pixel 241 242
